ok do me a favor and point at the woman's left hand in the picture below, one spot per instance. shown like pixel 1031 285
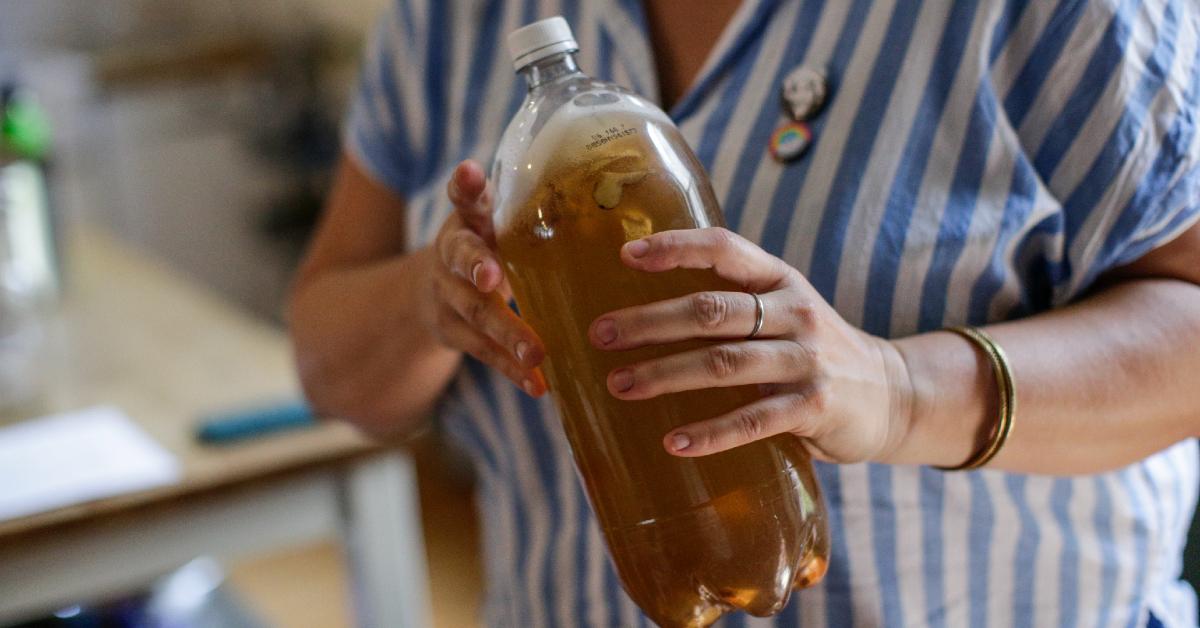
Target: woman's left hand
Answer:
pixel 845 393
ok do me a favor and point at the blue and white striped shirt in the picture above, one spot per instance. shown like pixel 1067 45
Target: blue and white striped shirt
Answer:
pixel 979 160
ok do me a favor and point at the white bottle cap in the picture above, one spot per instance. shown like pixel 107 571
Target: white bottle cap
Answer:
pixel 534 42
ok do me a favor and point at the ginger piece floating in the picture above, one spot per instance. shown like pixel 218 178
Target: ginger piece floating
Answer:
pixel 636 225
pixel 739 598
pixel 608 189
pixel 811 573
pixel 704 617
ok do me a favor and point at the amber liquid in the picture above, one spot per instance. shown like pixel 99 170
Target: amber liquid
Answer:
pixel 691 537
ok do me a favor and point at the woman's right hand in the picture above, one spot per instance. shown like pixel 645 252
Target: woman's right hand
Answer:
pixel 469 293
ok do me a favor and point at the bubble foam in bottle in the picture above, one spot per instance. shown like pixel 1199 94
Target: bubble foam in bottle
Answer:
pixel 584 167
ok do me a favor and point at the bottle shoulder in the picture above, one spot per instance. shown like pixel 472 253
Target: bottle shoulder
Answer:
pixel 559 114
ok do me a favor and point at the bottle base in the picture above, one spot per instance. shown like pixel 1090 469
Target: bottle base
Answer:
pixel 744 551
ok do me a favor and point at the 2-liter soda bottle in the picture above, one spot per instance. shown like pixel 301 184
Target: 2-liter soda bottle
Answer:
pixel 584 167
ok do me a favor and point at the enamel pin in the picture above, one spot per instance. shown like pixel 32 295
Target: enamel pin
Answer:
pixel 804 92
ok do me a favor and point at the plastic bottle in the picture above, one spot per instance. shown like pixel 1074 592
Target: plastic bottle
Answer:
pixel 584 167
pixel 28 267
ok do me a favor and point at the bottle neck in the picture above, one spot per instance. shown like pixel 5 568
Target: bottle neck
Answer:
pixel 549 69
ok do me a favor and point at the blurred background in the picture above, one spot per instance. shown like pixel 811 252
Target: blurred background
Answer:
pixel 200 131
pixel 162 163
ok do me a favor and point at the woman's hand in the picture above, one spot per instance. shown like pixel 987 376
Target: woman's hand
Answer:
pixel 844 392
pixel 469 294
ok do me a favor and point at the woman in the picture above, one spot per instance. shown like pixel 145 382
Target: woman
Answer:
pixel 1026 167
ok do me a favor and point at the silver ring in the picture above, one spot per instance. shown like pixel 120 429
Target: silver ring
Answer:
pixel 759 314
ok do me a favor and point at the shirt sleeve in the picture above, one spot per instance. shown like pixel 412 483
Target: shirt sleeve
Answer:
pixel 386 127
pixel 1113 132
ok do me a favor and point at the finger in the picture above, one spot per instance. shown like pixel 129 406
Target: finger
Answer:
pixel 458 333
pixel 716 366
pixel 701 315
pixel 490 316
pixel 471 194
pixel 468 256
pixel 792 412
pixel 730 255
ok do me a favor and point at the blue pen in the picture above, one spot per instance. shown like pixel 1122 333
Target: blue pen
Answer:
pixel 239 425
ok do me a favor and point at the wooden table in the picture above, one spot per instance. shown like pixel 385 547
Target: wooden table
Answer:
pixel 133 334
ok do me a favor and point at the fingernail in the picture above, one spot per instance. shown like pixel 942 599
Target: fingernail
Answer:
pixel 522 347
pixel 637 248
pixel 475 273
pixel 680 442
pixel 606 331
pixel 622 380
pixel 527 386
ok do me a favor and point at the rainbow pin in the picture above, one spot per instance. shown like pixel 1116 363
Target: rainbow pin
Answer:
pixel 790 141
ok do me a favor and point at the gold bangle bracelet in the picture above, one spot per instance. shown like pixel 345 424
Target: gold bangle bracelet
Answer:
pixel 1008 397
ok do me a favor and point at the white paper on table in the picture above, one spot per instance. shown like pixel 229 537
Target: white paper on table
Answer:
pixel 75 457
